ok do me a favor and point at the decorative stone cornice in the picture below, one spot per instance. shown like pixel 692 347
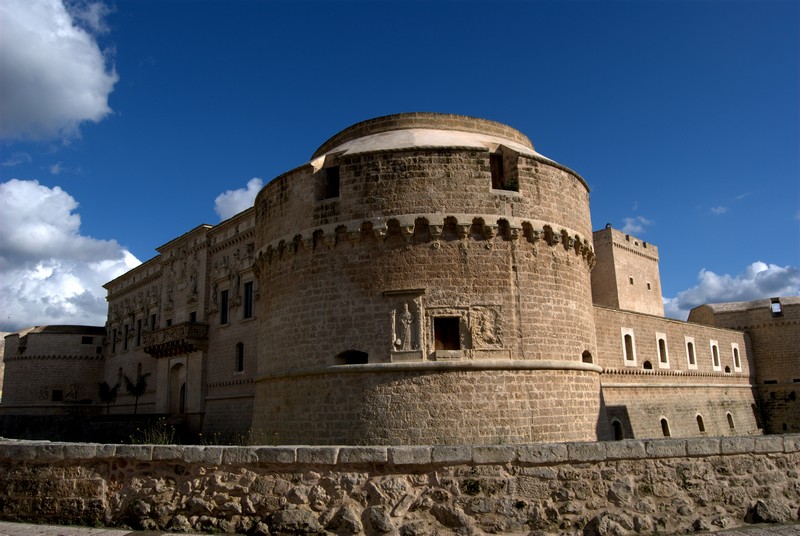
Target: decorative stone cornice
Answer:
pixel 51 357
pixel 465 226
pixel 634 371
pixel 243 236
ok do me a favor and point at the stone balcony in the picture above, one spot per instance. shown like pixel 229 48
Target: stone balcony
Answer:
pixel 183 338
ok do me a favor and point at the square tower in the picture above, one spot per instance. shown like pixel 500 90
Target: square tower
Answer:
pixel 626 275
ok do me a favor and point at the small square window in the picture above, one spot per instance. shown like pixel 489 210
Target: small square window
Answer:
pixel 446 333
pixel 775 307
pixel 57 395
pixel 87 340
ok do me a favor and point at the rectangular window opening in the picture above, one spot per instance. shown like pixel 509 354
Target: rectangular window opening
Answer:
pixel 446 333
pixel 502 177
pixel 775 307
pixel 248 299
pixel 57 395
pixel 223 307
pixel 330 186
pixel 87 340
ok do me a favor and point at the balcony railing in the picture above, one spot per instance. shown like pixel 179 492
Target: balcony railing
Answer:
pixel 183 338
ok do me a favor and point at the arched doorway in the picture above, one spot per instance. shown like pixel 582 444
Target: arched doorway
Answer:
pixel 177 389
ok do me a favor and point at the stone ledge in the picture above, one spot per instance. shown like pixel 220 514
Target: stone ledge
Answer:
pixel 526 454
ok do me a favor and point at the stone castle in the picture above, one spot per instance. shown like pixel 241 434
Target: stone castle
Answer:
pixel 423 279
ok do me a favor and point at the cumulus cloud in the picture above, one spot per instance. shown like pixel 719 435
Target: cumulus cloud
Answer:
pixel 232 202
pixel 52 274
pixel 759 280
pixel 55 76
pixel 635 225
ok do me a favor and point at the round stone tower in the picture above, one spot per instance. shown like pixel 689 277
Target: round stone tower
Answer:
pixel 425 279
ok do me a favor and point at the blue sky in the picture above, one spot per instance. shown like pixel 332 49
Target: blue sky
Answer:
pixel 123 124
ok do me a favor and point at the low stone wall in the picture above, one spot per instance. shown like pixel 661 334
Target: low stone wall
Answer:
pixel 624 487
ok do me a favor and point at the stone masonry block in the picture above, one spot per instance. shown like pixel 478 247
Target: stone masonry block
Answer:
pixel 409 455
pixel 544 453
pixel 586 452
pixel 768 444
pixel 134 452
pixel 493 454
pixel 451 454
pixel 80 451
pixel 104 452
pixel 705 446
pixel 362 454
pixel 625 450
pixel 737 445
pixel 49 452
pixel 666 448
pixel 195 454
pixel 791 443
pixel 276 454
pixel 167 452
pixel 317 455
pixel 16 451
pixel 239 455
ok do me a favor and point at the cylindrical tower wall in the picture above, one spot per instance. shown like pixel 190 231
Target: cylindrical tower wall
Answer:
pixel 422 257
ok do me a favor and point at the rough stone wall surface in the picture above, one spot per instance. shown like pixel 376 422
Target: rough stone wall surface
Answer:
pixel 624 487
pixel 434 407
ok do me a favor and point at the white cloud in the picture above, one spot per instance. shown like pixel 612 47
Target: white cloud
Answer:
pixel 51 273
pixel 759 280
pixel 635 225
pixel 16 159
pixel 232 202
pixel 717 211
pixel 55 169
pixel 54 73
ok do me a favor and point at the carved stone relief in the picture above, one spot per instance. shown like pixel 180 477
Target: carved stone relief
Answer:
pixel 486 327
pixel 406 326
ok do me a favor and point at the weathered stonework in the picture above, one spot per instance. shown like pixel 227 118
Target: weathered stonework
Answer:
pixel 623 487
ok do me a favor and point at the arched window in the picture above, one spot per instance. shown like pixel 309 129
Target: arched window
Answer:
pixel 700 424
pixel 715 356
pixel 586 357
pixel 239 357
pixel 737 362
pixel 691 359
pixel 630 356
pixel 662 351
pixel 665 427
pixel 647 365
pixel 730 421
pixel 617 427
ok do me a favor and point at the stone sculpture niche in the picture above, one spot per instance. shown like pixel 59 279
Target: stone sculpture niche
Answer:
pixel 406 323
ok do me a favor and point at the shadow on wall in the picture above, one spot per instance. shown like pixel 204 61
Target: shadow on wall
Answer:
pixel 604 429
pixel 619 423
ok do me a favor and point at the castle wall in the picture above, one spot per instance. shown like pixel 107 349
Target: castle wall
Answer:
pixel 675 391
pixel 773 328
pixel 54 368
pixel 656 486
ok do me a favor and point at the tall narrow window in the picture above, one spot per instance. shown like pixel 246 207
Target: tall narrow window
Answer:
pixel 223 307
pixel 715 356
pixel 125 330
pixel 663 354
pixel 628 347
pixel 665 427
pixel 446 333
pixel 498 173
pixel 193 316
pixel 690 357
pixel 114 341
pixel 730 421
pixel 239 357
pixel 737 362
pixel 138 332
pixel 330 183
pixel 700 424
pixel 152 322
pixel 248 299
